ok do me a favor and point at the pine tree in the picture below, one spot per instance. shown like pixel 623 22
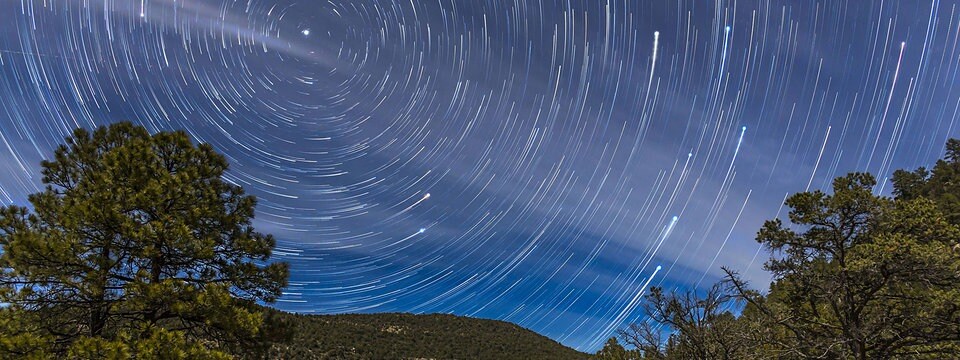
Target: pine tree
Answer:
pixel 862 277
pixel 138 237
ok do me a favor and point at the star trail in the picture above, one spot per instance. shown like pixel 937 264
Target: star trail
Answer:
pixel 540 162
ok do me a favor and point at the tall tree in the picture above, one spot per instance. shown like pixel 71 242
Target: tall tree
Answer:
pixel 860 276
pixel 137 235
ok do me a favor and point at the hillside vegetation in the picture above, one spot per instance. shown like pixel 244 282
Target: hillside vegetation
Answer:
pixel 404 336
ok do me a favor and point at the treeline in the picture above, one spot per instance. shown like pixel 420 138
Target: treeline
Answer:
pixel 855 276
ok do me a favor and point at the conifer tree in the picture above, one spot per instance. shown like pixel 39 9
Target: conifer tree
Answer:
pixel 136 238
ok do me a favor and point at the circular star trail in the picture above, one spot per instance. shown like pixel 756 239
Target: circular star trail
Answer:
pixel 536 162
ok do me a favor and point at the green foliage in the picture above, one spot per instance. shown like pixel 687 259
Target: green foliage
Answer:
pixel 135 241
pixel 19 336
pixel 86 347
pixel 165 344
pixel 157 344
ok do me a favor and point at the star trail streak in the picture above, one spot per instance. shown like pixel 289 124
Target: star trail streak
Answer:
pixel 540 162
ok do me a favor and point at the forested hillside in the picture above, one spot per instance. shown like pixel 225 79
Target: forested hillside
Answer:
pixel 405 336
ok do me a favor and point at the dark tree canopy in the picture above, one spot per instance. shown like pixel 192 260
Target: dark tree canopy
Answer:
pixel 136 236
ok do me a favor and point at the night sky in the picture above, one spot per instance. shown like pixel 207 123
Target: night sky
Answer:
pixel 540 162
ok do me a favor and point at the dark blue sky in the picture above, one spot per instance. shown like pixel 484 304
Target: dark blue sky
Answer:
pixel 535 162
